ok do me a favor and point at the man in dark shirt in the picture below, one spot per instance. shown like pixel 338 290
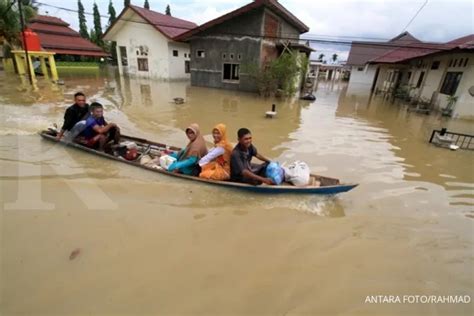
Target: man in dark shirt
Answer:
pixel 75 113
pixel 241 168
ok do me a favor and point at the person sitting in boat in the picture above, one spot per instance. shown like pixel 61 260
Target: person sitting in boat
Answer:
pixel 74 117
pixel 216 164
pixel 98 132
pixel 242 170
pixel 187 159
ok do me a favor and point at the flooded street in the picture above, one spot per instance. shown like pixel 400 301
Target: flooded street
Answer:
pixel 151 244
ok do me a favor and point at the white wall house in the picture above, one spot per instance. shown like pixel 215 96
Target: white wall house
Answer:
pixel 430 72
pixel 145 45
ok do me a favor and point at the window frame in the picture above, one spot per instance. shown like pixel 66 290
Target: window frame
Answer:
pixel 123 57
pixel 144 62
pixel 200 53
pixel 451 82
pixel 233 77
pixel 175 53
pixel 421 77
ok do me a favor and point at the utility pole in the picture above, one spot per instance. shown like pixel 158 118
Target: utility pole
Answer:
pixel 25 45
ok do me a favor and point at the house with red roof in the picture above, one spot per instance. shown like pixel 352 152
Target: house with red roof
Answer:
pixel 254 34
pixel 146 45
pixel 56 36
pixel 435 73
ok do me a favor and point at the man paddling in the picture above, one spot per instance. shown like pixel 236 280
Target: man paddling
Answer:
pixel 77 112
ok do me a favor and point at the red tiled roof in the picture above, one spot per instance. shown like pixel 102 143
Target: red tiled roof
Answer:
pixel 363 51
pixel 274 5
pixel 169 26
pixel 56 36
pixel 396 51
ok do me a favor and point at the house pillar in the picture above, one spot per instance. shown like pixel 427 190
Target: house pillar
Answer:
pixel 52 66
pixel 44 69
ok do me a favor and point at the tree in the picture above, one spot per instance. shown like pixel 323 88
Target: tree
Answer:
pixel 112 18
pixel 10 26
pixel 146 5
pixel 321 56
pixel 82 20
pixel 334 57
pixel 97 27
pixel 112 13
pixel 168 10
pixel 126 3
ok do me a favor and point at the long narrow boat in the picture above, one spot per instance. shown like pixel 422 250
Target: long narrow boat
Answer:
pixel 326 186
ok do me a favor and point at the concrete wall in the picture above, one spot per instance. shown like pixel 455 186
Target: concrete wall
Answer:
pixel 361 80
pixel 177 64
pixel 217 42
pixel 133 35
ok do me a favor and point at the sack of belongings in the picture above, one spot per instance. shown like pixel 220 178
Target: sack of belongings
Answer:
pixel 166 161
pixel 275 172
pixel 297 173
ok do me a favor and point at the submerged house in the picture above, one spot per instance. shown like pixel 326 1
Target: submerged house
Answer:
pixel 56 36
pixel 434 73
pixel 145 44
pixel 251 35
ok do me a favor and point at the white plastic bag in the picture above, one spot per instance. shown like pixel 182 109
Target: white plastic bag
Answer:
pixel 297 173
pixel 166 161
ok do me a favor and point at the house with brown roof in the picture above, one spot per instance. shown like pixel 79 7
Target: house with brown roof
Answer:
pixel 254 34
pixel 56 36
pixel 146 45
pixel 434 73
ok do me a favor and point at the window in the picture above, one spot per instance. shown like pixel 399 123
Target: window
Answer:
pixel 224 55
pixel 142 64
pixel 231 56
pixel 200 53
pixel 175 53
pixel 187 67
pixel 420 79
pixel 460 62
pixel 435 65
pixel 231 72
pixel 360 68
pixel 123 55
pixel 239 57
pixel 451 82
pixel 455 62
pixel 409 75
pixel 450 63
pixel 465 62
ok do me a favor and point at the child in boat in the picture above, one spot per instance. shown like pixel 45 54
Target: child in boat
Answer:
pixel 98 132
pixel 242 170
pixel 187 158
pixel 216 164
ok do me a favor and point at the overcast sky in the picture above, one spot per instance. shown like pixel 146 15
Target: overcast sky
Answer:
pixel 438 21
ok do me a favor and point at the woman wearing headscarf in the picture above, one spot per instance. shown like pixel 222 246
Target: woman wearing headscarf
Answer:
pixel 216 164
pixel 187 158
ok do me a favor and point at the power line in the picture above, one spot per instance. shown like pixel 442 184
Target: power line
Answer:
pixel 416 14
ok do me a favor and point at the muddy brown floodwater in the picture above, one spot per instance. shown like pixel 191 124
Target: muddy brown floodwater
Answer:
pixel 144 243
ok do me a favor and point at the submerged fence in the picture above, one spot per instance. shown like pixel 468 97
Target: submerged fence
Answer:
pixel 444 138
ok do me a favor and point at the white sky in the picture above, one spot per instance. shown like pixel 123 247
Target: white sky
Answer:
pixel 439 20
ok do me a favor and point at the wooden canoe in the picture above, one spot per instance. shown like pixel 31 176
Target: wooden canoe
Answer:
pixel 327 186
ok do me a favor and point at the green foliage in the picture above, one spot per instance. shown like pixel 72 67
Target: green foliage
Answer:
pixel 97 27
pixel 168 10
pixel 281 74
pixel 82 20
pixel 10 26
pixel 146 5
pixel 112 13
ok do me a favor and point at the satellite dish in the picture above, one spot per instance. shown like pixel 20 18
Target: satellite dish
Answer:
pixel 471 91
